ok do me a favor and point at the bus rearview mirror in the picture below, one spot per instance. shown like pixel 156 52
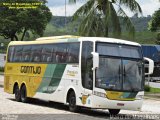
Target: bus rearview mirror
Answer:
pixel 149 65
pixel 95 60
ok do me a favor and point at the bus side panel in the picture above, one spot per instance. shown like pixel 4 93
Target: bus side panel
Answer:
pixel 7 84
pixel 23 73
pixel 50 82
pixel 9 78
pixel 72 81
pixel 62 78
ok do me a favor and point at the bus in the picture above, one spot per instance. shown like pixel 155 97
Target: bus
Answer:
pixel 90 72
pixel 153 52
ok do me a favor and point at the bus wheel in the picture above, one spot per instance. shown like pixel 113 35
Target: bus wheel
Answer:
pixel 72 102
pixel 17 93
pixel 114 111
pixel 24 94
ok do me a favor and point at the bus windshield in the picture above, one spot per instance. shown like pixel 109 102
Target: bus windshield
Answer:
pixel 120 67
pixel 119 50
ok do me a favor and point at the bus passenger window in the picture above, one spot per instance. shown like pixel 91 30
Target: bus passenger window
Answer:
pixel 11 54
pixel 18 54
pixel 73 53
pixel 48 59
pixel 46 55
pixel 36 59
pixel 57 58
pixel 26 59
pixel 26 53
pixel 36 53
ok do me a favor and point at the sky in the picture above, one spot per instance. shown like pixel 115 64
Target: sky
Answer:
pixel 57 7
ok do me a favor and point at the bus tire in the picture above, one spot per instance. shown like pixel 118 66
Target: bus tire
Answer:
pixel 72 102
pixel 23 93
pixel 17 93
pixel 114 111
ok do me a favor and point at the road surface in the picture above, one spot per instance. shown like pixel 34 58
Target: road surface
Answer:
pixel 45 110
pixel 1 80
pixel 2 62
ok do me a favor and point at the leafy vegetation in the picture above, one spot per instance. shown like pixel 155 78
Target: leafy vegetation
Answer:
pixel 100 15
pixel 154 24
pixel 146 88
pixel 18 21
pixel 57 27
pixel 142 35
pixel 1 69
pixel 149 89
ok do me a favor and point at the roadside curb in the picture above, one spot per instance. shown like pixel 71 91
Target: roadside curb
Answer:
pixel 151 98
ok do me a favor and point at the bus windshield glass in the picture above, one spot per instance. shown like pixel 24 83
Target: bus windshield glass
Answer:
pixel 120 67
pixel 119 50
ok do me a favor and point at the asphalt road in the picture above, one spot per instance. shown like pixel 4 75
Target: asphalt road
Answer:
pixel 2 62
pixel 44 110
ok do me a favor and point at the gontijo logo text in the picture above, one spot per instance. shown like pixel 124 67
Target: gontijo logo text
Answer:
pixel 31 69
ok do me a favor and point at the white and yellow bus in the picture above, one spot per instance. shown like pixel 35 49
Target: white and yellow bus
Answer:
pixel 90 72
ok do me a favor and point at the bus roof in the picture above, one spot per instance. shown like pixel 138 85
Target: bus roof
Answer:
pixel 109 40
pixel 70 38
pixel 57 37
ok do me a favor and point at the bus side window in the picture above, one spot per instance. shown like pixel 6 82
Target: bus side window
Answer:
pixel 47 53
pixel 54 53
pixel 26 53
pixel 11 53
pixel 73 53
pixel 36 53
pixel 86 65
pixel 18 54
pixel 61 53
pixel 43 57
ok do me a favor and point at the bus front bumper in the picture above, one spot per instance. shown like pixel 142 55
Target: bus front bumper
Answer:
pixel 104 103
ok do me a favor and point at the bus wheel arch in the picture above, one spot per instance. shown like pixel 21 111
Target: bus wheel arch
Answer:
pixel 16 91
pixel 23 92
pixel 71 99
pixel 68 93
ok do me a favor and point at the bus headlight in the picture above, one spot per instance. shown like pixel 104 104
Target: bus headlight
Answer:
pixel 139 97
pixel 100 94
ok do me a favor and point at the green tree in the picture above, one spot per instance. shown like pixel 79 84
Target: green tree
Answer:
pixel 104 16
pixel 17 21
pixel 154 23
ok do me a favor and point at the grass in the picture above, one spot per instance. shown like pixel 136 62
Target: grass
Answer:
pixel 1 69
pixel 154 90
pixel 149 90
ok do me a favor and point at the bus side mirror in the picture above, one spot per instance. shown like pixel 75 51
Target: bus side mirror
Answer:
pixel 95 60
pixel 149 66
